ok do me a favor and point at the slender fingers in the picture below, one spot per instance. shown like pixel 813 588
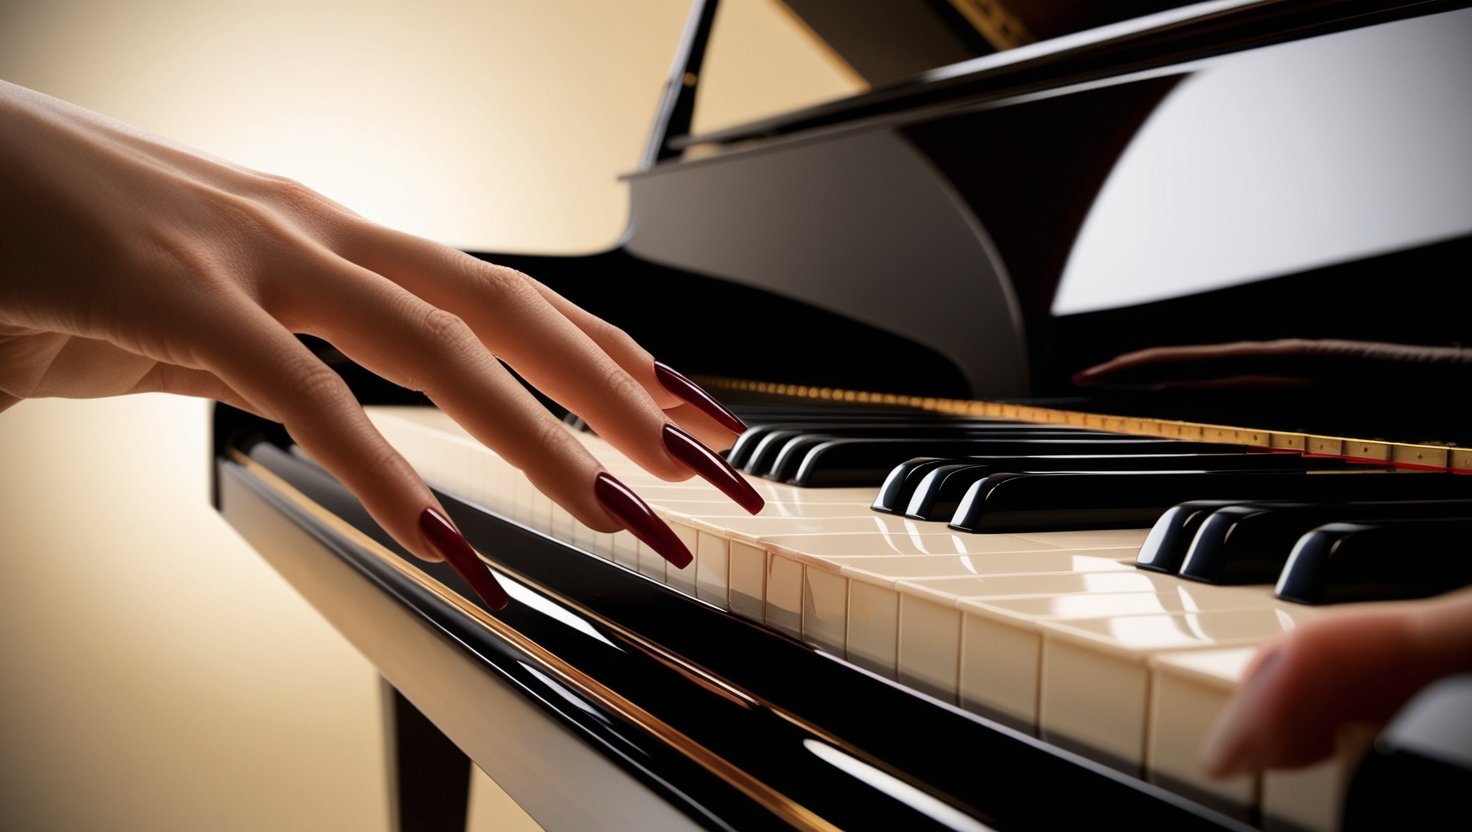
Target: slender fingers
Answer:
pixel 682 399
pixel 186 381
pixel 410 342
pixel 586 364
pixel 270 367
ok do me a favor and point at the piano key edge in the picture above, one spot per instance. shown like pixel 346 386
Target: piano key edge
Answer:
pixel 306 525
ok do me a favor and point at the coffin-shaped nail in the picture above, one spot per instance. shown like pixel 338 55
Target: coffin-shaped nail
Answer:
pixel 453 547
pixel 641 520
pixel 712 468
pixel 694 394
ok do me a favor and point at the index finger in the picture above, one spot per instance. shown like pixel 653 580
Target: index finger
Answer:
pixel 257 356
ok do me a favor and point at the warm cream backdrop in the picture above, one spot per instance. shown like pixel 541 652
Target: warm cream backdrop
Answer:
pixel 155 674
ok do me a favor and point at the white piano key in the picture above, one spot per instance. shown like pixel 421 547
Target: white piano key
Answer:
pixel 877 581
pixel 648 562
pixel 712 568
pixel 723 508
pixel 873 627
pixel 1001 644
pixel 824 607
pixel 748 579
pixel 583 537
pixel 1090 538
pixel 929 640
pixel 812 566
pixel 914 600
pixel 1189 690
pixel 783 609
pixel 932 614
pixel 562 523
pixel 1095 675
pixel 626 551
pixel 681 579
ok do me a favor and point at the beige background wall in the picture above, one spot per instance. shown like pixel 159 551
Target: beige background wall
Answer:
pixel 155 674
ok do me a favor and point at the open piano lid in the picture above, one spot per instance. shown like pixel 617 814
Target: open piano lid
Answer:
pixel 1206 173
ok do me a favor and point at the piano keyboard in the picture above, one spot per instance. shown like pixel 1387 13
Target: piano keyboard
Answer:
pixel 1057 633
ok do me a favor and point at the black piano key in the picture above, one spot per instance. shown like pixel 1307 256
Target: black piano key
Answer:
pixel 771 457
pixel 899 483
pixel 1019 502
pixel 1249 543
pixel 1169 539
pixel 784 465
pixel 1389 560
pixel 937 495
pixel 856 462
pixel 939 485
pixel 808 422
pixel 766 449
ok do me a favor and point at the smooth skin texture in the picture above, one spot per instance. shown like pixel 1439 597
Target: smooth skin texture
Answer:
pixel 133 264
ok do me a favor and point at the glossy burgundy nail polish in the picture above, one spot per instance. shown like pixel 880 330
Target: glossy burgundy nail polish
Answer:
pixel 641 520
pixel 695 395
pixel 712 468
pixel 452 546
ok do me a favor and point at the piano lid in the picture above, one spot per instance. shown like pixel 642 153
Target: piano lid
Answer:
pixel 1177 174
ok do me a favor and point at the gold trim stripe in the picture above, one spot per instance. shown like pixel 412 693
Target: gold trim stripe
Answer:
pixel 1434 457
pixel 1001 28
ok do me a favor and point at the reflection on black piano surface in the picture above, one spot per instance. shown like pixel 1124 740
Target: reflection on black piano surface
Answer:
pixel 960 546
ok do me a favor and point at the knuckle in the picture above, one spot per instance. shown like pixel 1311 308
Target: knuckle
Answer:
pixel 604 332
pixel 553 440
pixel 312 385
pixel 621 385
pixel 501 286
pixel 444 339
pixel 292 193
pixel 381 457
pixel 440 327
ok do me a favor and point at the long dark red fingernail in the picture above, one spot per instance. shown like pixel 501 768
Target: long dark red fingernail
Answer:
pixel 641 520
pixel 453 547
pixel 694 394
pixel 712 468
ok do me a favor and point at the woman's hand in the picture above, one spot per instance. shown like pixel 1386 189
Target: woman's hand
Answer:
pixel 1345 671
pixel 132 264
pixel 1287 362
pixel 1351 670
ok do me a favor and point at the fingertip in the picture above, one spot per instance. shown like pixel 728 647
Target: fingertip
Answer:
pixel 641 521
pixel 693 394
pixel 446 541
pixel 712 468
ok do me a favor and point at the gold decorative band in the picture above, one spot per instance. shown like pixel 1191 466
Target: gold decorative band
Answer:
pixel 1002 29
pixel 1433 457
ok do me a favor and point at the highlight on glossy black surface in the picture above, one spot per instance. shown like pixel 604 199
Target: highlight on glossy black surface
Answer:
pixel 1389 560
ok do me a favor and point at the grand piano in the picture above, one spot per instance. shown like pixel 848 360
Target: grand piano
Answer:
pixel 1016 192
